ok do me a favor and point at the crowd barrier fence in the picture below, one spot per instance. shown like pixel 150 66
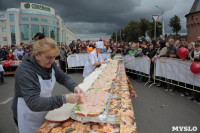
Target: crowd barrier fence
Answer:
pixel 171 71
pixel 176 72
pixel 77 61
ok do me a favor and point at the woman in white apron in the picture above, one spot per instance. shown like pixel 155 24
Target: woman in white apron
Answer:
pixel 34 81
pixel 94 60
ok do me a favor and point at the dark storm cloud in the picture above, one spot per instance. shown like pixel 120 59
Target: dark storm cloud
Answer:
pixel 107 16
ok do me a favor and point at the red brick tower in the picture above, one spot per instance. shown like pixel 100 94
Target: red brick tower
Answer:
pixel 193 22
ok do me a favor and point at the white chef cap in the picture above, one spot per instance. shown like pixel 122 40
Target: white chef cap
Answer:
pixel 99 44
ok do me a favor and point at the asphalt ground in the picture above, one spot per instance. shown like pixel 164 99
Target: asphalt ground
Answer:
pixel 156 111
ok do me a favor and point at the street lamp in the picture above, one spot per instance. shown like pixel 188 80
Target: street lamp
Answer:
pixel 163 28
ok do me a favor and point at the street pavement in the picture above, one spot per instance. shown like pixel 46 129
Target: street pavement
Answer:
pixel 156 111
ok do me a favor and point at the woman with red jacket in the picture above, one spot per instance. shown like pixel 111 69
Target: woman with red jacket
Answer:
pixel 10 56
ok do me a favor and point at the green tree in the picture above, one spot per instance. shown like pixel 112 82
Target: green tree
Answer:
pixel 123 35
pixel 151 29
pixel 118 36
pixel 113 36
pixel 175 24
pixel 132 31
pixel 144 26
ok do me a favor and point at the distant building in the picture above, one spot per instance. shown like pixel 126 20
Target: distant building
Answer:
pixel 193 22
pixel 20 25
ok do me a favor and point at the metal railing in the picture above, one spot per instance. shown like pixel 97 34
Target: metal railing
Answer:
pixel 77 61
pixel 176 72
pixel 171 71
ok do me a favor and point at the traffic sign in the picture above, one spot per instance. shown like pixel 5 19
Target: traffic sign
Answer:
pixel 155 17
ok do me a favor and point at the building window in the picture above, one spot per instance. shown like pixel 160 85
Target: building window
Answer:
pixel 11 17
pixel 34 29
pixel 3 21
pixel 45 30
pixel 5 39
pixel 24 18
pixel 52 33
pixel 52 21
pixel 57 23
pixel 3 29
pixel 24 32
pixel 35 19
pixel 39 13
pixel 12 31
pixel 44 20
pixel 57 34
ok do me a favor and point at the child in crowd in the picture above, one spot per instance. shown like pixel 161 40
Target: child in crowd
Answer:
pixel 171 87
pixel 1 74
pixel 191 47
pixel 195 56
pixel 139 53
pixel 133 50
pixel 10 56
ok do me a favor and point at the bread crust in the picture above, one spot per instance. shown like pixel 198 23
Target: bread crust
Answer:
pixel 90 115
pixel 57 121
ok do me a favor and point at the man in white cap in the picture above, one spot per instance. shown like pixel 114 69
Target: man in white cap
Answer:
pixel 94 60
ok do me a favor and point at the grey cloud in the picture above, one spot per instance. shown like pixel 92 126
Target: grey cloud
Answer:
pixel 107 16
pixel 87 28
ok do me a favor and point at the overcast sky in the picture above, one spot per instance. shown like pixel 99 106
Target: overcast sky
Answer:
pixel 91 19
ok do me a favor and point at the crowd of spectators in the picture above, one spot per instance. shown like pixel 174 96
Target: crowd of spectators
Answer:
pixel 11 53
pixel 151 49
pixel 14 52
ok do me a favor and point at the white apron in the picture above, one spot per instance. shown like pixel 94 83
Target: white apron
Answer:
pixel 89 68
pixel 29 121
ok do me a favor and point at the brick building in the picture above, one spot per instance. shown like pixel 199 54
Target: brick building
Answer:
pixel 193 22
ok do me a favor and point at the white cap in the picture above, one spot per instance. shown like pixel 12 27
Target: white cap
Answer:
pixel 99 44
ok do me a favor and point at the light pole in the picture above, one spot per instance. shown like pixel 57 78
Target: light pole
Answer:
pixel 155 30
pixel 163 28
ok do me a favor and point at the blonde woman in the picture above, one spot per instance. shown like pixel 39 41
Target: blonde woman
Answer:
pixel 191 48
pixel 34 81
